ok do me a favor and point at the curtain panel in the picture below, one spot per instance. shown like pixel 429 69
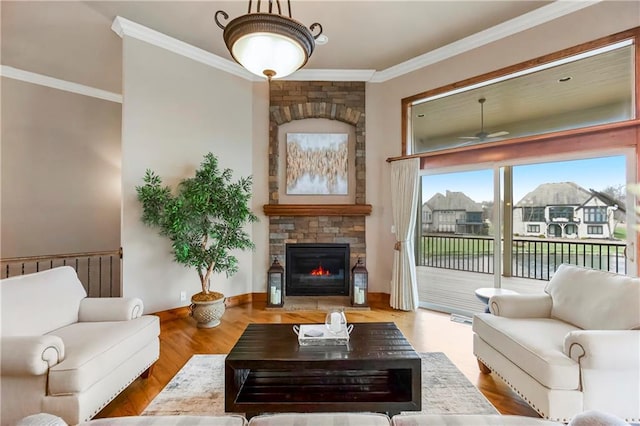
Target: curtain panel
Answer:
pixel 404 204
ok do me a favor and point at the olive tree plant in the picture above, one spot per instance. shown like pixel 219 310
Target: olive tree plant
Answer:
pixel 204 219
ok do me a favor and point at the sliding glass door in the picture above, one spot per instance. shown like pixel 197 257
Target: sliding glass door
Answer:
pixel 456 236
pixel 512 225
pixel 570 212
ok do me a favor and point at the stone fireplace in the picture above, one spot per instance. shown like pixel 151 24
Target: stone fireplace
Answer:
pixel 316 221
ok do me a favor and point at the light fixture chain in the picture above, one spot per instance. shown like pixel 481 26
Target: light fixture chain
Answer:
pixel 314 26
pixel 224 15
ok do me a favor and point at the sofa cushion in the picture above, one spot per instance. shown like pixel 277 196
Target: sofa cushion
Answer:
pixel 58 292
pixel 44 419
pixel 96 349
pixel 41 419
pixel 411 419
pixel 596 418
pixel 536 344
pixel 595 300
pixel 320 419
pixel 178 420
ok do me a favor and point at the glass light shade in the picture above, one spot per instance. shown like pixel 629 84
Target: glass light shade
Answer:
pixel 261 51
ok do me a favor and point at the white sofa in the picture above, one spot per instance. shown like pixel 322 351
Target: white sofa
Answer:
pixel 573 348
pixel 64 353
pixel 307 419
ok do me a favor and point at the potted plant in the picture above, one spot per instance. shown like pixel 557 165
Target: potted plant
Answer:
pixel 204 220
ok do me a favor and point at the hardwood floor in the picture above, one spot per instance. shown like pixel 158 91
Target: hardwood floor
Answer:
pixel 428 331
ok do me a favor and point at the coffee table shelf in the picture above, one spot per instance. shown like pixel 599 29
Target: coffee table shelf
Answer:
pixel 326 386
pixel 267 371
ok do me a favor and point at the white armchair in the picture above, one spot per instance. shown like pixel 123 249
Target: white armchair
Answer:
pixel 64 353
pixel 572 349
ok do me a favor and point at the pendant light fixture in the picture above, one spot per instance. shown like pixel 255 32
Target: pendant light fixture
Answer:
pixel 268 44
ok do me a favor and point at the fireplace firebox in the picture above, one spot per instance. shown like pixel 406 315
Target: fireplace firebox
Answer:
pixel 317 269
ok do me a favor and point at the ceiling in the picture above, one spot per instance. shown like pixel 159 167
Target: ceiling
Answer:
pixel 73 41
pixel 598 89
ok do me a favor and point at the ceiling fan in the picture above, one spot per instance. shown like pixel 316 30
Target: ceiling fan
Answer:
pixel 482 135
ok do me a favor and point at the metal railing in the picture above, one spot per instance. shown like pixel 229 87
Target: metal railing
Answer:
pixel 538 259
pixel 99 272
pixel 531 258
pixel 462 253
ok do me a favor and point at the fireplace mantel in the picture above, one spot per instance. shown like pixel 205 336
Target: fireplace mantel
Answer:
pixel 317 209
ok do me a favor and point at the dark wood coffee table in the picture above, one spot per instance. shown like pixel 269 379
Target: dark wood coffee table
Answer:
pixel 268 371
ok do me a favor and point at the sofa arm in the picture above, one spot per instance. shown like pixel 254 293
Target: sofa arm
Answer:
pixel 604 349
pixel 521 305
pixel 96 309
pixel 33 355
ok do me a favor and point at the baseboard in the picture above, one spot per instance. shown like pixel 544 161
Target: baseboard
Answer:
pixel 240 299
pixel 172 314
pixel 259 297
pixel 380 298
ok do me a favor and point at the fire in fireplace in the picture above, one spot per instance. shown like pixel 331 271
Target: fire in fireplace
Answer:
pixel 317 269
pixel 320 271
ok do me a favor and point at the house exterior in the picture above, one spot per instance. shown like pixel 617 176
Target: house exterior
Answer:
pixel 566 210
pixel 454 213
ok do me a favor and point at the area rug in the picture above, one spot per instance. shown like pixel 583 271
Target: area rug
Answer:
pixel 198 389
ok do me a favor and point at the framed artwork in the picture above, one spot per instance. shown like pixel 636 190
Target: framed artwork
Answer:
pixel 317 163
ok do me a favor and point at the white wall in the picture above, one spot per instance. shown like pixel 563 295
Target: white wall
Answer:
pixel 51 138
pixel 260 154
pixel 175 110
pixel 384 113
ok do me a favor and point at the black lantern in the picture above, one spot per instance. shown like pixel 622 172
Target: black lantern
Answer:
pixel 274 284
pixel 359 284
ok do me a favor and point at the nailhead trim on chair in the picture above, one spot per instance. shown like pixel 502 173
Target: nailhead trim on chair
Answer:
pixel 628 420
pixel 118 392
pixel 531 404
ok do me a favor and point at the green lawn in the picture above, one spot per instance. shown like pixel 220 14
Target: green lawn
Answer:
pixel 457 245
pixel 620 232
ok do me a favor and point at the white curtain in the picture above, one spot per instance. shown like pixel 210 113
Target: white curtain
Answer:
pixel 404 204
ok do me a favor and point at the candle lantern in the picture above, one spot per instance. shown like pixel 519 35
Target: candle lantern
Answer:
pixel 275 282
pixel 359 284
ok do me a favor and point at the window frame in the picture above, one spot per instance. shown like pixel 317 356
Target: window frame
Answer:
pixel 566 212
pixel 590 229
pixel 589 217
pixel 537 214
pixel 585 141
pixel 632 34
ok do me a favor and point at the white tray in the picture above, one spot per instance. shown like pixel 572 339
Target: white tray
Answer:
pixel 320 335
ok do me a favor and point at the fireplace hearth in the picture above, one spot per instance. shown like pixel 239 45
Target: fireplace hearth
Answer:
pixel 317 269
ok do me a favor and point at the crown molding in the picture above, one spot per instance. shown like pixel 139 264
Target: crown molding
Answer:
pixel 55 83
pixel 124 27
pixel 557 9
pixel 521 23
pixel 330 75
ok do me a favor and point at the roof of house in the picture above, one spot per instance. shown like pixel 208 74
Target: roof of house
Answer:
pixel 453 201
pixel 609 200
pixel 555 194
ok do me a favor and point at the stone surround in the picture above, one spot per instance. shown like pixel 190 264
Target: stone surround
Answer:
pixel 299 100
